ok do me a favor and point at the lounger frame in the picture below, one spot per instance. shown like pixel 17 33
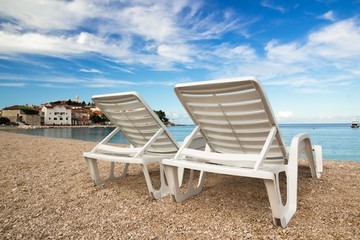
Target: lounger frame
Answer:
pixel 243 139
pixel 149 138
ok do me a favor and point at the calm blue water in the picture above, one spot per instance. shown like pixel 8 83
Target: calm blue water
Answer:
pixel 339 141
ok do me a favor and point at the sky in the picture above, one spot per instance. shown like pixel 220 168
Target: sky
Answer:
pixel 305 53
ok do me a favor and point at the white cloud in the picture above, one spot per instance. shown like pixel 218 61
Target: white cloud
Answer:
pixel 244 51
pixel 106 83
pixel 59 46
pixel 269 4
pixel 286 53
pixel 38 44
pixel 30 79
pixel 321 119
pixel 284 114
pixel 336 41
pixel 238 53
pixel 51 85
pixel 48 15
pixel 13 84
pixel 157 24
pixel 297 82
pixel 121 69
pixel 176 53
pixel 328 16
pixel 179 117
pixel 92 70
pixel 69 82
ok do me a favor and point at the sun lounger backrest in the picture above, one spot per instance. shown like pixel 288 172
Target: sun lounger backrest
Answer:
pixel 233 114
pixel 136 120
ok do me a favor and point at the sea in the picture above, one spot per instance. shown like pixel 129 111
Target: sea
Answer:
pixel 339 141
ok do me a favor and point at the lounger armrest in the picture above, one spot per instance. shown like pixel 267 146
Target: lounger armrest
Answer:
pixel 301 143
pixel 297 146
pixel 117 150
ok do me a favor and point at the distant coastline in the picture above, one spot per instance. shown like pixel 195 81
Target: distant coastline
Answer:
pixel 173 124
pixel 25 126
pixel 56 126
pixel 168 124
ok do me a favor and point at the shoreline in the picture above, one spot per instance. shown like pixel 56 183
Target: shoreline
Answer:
pixel 56 126
pixel 75 126
pixel 47 192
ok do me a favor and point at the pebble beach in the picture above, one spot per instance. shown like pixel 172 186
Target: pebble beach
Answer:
pixel 47 193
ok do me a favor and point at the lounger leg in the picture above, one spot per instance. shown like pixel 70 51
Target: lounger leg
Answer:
pixel 94 171
pixel 283 213
pixel 276 205
pixel 163 190
pixel 174 186
pixel 318 160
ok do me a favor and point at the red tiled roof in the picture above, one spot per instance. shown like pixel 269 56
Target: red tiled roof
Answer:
pixel 14 107
pixel 52 106
pixel 97 112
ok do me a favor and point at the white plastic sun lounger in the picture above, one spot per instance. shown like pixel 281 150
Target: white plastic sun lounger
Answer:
pixel 150 140
pixel 243 138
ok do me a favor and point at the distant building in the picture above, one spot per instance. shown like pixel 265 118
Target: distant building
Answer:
pixel 94 109
pixel 80 116
pixel 57 115
pixel 21 114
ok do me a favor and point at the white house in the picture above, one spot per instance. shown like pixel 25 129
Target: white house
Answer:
pixel 57 115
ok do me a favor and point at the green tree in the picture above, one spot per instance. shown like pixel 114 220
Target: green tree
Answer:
pixel 26 110
pixel 95 118
pixel 4 120
pixel 161 114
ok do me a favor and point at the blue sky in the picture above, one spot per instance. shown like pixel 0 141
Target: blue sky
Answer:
pixel 305 53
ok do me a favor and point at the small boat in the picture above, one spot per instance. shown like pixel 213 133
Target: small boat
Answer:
pixel 355 124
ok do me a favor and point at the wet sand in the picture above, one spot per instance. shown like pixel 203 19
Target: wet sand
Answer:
pixel 47 192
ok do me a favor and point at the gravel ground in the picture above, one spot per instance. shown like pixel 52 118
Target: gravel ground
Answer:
pixel 47 192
